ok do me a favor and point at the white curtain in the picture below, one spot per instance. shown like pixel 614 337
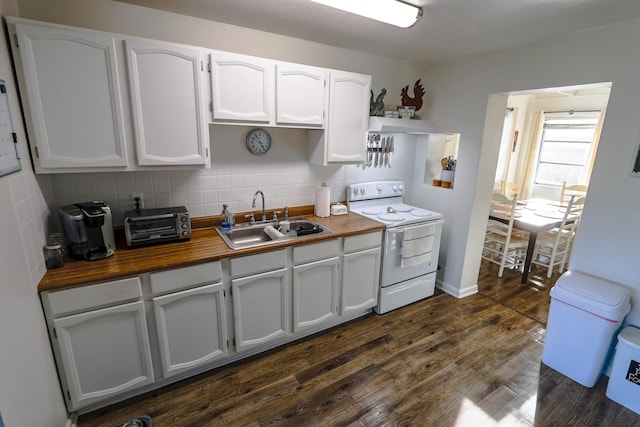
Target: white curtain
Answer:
pixel 532 155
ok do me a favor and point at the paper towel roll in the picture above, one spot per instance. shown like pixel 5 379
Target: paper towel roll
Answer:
pixel 323 198
pixel 273 233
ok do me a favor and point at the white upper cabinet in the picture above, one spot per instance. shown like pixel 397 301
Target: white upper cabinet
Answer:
pixel 250 90
pixel 242 88
pixel 348 117
pixel 300 95
pixel 70 87
pixel 345 135
pixel 83 116
pixel 167 100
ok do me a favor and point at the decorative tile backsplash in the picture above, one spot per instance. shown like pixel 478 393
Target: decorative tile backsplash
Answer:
pixel 33 213
pixel 284 175
pixel 202 191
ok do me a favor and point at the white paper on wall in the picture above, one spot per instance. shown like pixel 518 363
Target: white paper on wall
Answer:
pixel 9 160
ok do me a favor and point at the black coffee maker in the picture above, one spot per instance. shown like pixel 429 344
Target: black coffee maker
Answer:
pixel 89 230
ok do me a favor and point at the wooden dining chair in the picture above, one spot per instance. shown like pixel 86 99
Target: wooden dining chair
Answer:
pixel 511 190
pixel 554 247
pixel 503 245
pixel 572 190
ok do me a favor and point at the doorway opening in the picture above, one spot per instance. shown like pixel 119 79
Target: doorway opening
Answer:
pixel 549 141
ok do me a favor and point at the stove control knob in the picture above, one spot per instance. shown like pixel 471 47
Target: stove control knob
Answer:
pixel 362 191
pixel 355 192
pixel 379 187
pixel 401 187
pixel 395 187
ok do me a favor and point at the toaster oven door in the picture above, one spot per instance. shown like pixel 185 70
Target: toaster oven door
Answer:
pixel 143 231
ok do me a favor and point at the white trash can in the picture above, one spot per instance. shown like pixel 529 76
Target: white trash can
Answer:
pixel 624 381
pixel 584 316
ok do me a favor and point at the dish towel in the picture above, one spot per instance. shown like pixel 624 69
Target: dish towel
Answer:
pixel 417 245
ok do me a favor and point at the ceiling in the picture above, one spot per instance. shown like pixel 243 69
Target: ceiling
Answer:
pixel 448 30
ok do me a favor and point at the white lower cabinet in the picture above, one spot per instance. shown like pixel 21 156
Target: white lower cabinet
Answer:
pixel 315 293
pixel 104 352
pixel 316 284
pixel 191 328
pixel 361 272
pixel 261 308
pixel 106 337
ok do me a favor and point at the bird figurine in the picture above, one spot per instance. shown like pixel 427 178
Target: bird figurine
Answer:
pixel 416 101
pixel 376 108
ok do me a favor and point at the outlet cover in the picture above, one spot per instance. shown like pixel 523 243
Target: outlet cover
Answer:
pixel 135 196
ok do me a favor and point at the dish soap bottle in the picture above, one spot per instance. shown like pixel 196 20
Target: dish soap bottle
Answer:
pixel 226 218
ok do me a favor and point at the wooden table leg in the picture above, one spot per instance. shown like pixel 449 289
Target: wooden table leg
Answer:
pixel 533 235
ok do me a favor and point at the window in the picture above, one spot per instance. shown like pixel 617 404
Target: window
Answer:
pixel 566 147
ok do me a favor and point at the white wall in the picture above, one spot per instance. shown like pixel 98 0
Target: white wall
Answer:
pixel 606 245
pixel 29 389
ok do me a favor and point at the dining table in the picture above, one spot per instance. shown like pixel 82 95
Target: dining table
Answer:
pixel 533 216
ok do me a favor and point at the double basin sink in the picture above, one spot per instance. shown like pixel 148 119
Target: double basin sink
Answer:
pixel 247 236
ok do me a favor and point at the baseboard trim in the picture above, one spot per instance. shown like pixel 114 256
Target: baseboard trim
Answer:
pixel 456 292
pixel 73 420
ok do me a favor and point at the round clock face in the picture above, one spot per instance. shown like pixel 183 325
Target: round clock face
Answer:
pixel 258 141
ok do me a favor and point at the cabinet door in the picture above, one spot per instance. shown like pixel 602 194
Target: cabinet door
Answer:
pixel 72 91
pixel 191 328
pixel 346 130
pixel 360 280
pixel 261 308
pixel 315 293
pixel 242 88
pixel 300 95
pixel 104 352
pixel 167 97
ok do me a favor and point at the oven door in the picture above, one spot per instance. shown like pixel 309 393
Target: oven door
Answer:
pixel 392 272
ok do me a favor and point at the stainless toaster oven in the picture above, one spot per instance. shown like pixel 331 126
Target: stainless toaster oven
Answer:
pixel 151 226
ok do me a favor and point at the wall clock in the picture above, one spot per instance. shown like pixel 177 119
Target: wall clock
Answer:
pixel 258 141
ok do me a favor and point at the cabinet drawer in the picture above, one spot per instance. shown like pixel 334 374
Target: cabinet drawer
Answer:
pixel 363 241
pixel 315 251
pixel 181 278
pixel 94 296
pixel 252 264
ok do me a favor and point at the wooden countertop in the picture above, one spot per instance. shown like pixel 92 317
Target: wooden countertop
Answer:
pixel 205 245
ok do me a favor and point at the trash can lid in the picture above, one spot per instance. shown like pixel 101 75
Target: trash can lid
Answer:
pixel 630 336
pixel 597 296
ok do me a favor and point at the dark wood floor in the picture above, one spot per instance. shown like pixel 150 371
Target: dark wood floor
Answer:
pixel 439 362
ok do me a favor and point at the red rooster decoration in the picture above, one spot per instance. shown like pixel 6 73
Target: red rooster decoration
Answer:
pixel 416 101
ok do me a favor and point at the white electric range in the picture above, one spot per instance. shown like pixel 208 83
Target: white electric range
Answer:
pixel 401 282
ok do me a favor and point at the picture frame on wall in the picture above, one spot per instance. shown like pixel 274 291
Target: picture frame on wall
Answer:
pixel 9 158
pixel 635 169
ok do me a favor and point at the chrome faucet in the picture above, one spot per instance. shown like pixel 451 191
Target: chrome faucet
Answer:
pixel 253 205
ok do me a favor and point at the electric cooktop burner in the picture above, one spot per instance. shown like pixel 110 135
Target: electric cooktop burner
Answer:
pixel 372 211
pixel 420 212
pixel 393 217
pixel 402 208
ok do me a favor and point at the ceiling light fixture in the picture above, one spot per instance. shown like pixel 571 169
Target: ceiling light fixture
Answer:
pixel 392 12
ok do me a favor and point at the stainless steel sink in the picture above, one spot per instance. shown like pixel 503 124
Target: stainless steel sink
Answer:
pixel 247 235
pixel 301 223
